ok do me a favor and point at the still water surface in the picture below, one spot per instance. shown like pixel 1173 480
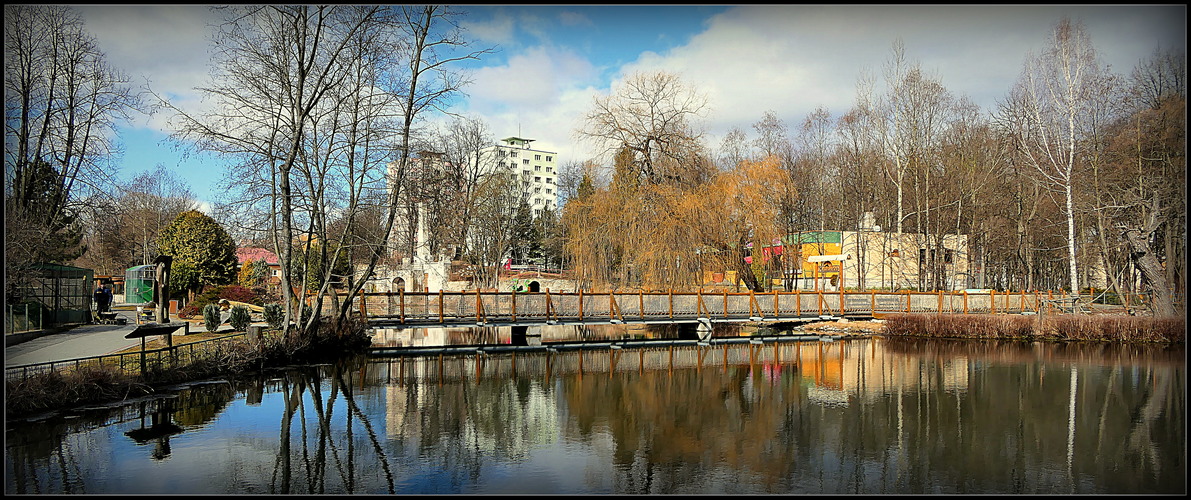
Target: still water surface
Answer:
pixel 849 417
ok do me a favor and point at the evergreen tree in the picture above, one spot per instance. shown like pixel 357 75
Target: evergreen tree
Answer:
pixel 203 252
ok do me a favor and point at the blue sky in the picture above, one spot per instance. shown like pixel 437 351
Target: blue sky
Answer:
pixel 749 60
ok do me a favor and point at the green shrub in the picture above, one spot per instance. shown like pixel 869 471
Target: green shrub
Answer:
pixel 211 317
pixel 274 314
pixel 240 318
pixel 212 295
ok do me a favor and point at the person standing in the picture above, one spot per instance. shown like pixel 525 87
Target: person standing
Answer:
pixel 101 300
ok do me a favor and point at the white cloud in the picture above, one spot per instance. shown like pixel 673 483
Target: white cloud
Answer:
pixel 499 30
pixel 539 94
pixel 164 46
pixel 792 59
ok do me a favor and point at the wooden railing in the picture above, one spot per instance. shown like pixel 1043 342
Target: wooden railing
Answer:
pixel 484 308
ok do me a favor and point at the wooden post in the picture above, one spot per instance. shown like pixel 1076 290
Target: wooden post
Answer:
pixel 641 303
pixel 401 294
pixel 819 293
pixel 547 304
pixel 873 307
pixel 797 303
pixel 440 306
pixel 965 302
pixel 671 303
pixel 725 303
pixel 479 307
pixel 907 302
pixel 776 312
pixel 992 301
pixel 698 304
pixel 580 305
pixel 940 309
pixel 514 305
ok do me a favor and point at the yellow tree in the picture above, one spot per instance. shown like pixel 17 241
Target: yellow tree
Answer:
pixel 735 215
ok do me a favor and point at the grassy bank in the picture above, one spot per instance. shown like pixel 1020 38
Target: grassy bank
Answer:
pixel 1112 328
pixel 98 385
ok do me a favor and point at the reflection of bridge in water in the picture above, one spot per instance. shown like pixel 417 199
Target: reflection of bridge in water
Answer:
pixel 470 309
pixel 823 361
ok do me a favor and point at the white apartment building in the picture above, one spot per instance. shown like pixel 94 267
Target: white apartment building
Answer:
pixel 535 170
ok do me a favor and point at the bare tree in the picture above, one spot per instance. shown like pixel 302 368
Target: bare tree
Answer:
pixel 62 103
pixel 1052 97
pixel 650 114
pixel 734 148
pixel 321 103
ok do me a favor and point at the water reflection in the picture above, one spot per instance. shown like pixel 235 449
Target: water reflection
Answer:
pixel 867 416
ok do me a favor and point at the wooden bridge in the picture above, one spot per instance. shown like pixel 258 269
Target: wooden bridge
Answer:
pixel 475 308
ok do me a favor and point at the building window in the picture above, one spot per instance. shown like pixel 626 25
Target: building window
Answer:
pixel 513 154
pixel 549 158
pixel 537 179
pixel 537 190
pixel 537 168
pixel 548 191
pixel 948 256
pixel 525 161
pixel 537 157
pixel 549 180
pixel 549 169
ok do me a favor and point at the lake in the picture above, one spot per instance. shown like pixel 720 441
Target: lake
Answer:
pixel 859 416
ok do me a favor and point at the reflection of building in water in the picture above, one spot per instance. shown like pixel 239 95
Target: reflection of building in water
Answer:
pixel 865 369
pixel 504 418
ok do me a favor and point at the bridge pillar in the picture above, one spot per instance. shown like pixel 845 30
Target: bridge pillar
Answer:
pixel 700 331
pixel 527 335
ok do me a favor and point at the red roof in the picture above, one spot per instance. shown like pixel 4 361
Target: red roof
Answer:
pixel 256 254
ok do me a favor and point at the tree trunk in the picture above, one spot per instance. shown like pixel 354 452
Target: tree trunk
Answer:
pixel 1151 272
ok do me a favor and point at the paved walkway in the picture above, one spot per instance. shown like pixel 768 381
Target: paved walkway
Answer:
pixel 78 342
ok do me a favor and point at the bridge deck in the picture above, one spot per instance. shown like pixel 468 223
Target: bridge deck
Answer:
pixel 469 309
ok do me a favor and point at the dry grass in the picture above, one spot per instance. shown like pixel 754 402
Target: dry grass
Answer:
pixel 1054 327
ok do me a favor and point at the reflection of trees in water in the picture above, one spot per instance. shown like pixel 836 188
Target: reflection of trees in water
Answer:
pixel 740 426
pixel 42 461
pixel 1008 351
pixel 44 456
pixel 303 387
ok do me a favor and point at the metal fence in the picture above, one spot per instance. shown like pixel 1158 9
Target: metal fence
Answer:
pixel 21 318
pixel 127 363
